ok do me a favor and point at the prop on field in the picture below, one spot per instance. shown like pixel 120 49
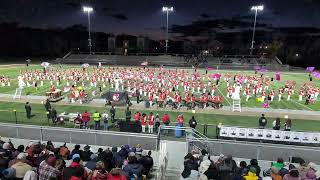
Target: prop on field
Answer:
pixel 259 99
pixel 209 68
pixel 116 98
pixel 316 74
pixel 85 65
pixel 278 76
pixel 257 68
pixel 263 70
pixel 310 69
pixel 144 63
pixel 216 76
pixel 45 64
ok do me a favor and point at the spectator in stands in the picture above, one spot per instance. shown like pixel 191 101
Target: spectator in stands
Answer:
pixel 190 170
pixel 279 164
pixel 287 124
pixel 64 151
pixel 75 169
pixel 212 172
pixel 254 163
pixel 47 169
pixel 76 150
pixel 30 175
pixel 147 162
pixel 311 173
pixel 100 172
pixel 21 167
pixel 293 175
pixel 78 120
pixel 106 157
pixel 262 122
pixel 276 125
pixel 128 114
pixel 85 119
pixel 105 117
pixel 252 175
pixel 96 118
pixel 242 171
pixel 19 150
pixel 116 174
pixel 92 163
pixel 303 168
pixel 228 169
pixel 274 172
pixel 133 168
pixel 28 109
pixel 193 123
pixel 86 153
pixel 112 114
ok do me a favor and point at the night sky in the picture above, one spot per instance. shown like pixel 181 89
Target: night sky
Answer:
pixel 144 17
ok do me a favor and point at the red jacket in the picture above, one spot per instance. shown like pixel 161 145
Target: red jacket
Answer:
pixel 85 117
pixel 180 119
pixel 166 118
pixel 150 120
pixel 143 120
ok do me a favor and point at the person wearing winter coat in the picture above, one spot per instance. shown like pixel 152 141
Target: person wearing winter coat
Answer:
pixel 133 167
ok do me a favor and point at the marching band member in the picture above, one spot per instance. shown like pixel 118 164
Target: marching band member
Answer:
pixel 280 92
pixel 301 93
pixel 272 95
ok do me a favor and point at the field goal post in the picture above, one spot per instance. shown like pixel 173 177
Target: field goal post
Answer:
pixel 236 106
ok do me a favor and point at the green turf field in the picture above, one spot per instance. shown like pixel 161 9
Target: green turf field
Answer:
pixel 300 78
pixel 40 118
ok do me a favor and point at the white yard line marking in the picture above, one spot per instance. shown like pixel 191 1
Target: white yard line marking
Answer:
pixel 224 96
pixel 303 105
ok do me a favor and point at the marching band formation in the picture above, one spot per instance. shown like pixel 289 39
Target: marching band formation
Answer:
pixel 160 86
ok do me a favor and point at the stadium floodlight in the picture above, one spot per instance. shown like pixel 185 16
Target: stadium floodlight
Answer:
pixel 256 9
pixel 88 10
pixel 167 10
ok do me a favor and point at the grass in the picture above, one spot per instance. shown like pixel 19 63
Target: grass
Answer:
pixel 40 118
pixel 300 79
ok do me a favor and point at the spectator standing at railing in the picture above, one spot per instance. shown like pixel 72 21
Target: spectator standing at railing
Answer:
pixel 47 105
pixel 180 120
pixel 193 123
pixel 166 122
pixel 28 109
pixel 287 124
pixel 96 117
pixel 112 113
pixel 53 114
pixel 276 124
pixel 105 117
pixel 157 122
pixel 128 114
pixel 262 122
pixel 85 119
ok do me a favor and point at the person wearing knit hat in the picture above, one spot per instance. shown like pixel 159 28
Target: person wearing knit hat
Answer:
pixel 9 173
pixel 6 146
pixel 20 166
pixel 75 156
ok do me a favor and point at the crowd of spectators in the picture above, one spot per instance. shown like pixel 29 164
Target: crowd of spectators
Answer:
pixel 46 162
pixel 200 166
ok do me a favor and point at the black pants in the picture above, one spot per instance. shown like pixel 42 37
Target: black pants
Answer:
pixel 112 118
pixel 28 114
pixel 138 99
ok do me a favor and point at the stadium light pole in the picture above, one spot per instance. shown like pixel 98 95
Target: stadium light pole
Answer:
pixel 256 9
pixel 88 10
pixel 167 10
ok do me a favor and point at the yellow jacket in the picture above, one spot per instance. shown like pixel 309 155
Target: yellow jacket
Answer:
pixel 96 116
pixel 251 176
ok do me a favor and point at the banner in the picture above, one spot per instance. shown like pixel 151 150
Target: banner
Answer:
pixel 116 98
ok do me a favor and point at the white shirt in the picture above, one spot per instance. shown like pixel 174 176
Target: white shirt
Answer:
pixel 105 116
